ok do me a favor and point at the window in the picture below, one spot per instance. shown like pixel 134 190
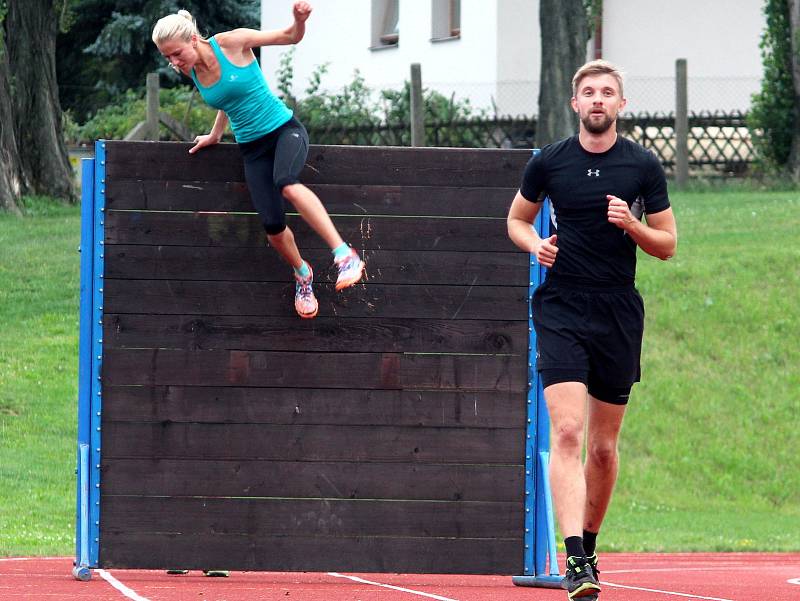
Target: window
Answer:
pixel 385 23
pixel 446 20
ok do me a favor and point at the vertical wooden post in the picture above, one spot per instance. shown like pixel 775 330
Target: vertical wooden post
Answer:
pixel 417 107
pixel 152 107
pixel 681 123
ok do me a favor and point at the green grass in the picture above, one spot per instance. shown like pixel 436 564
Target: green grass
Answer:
pixel 38 378
pixel 710 445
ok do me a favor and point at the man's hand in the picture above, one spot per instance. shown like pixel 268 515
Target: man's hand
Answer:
pixel 301 11
pixel 203 141
pixel 619 213
pixel 546 251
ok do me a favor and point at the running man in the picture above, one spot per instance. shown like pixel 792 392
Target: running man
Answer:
pixel 588 316
pixel 273 143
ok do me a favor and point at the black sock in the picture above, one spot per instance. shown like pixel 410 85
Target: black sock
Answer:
pixel 574 545
pixel 589 542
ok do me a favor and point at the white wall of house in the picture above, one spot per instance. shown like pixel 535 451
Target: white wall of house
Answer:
pixel 719 39
pixel 495 62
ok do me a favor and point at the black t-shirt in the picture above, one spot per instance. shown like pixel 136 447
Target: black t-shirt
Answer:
pixel 591 250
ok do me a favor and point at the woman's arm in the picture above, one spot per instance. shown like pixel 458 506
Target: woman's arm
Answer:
pixel 247 39
pixel 214 137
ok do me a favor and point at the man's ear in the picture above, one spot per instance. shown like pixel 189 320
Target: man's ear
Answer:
pixel 574 103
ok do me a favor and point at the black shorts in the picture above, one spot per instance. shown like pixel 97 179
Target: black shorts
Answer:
pixel 589 335
pixel 270 163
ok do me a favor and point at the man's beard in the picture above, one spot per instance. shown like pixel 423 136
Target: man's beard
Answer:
pixel 595 127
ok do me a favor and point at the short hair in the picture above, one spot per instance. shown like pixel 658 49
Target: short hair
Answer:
pixel 178 25
pixel 596 67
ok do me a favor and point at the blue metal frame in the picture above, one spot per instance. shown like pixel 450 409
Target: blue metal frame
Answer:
pixel 540 542
pixel 87 537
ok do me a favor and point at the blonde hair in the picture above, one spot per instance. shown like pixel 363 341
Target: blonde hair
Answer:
pixel 178 25
pixel 597 67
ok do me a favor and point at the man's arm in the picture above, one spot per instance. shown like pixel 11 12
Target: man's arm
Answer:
pixel 523 234
pixel 658 237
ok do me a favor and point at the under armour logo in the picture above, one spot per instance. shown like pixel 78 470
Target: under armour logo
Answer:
pixel 591 172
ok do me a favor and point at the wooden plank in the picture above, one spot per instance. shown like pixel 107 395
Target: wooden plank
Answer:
pixel 234 404
pixel 354 165
pixel 362 232
pixel 312 554
pixel 389 371
pixel 311 479
pixel 340 199
pixel 265 265
pixel 287 333
pixel 313 443
pixel 175 297
pixel 263 517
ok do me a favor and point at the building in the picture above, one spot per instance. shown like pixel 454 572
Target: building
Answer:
pixel 489 50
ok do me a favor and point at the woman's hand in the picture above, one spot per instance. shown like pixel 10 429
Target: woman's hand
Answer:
pixel 203 141
pixel 301 11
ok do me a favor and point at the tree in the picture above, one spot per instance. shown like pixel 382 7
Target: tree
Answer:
pixel 34 156
pixel 10 167
pixel 565 33
pixel 775 114
pixel 107 49
pixel 794 32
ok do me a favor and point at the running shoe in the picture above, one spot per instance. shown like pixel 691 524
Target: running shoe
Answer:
pixel 579 579
pixel 305 303
pixel 592 559
pixel 351 269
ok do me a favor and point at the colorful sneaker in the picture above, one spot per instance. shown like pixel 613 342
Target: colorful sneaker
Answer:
pixel 351 269
pixel 305 303
pixel 579 579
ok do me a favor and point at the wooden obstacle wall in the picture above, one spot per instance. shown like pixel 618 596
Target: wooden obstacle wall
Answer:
pixel 387 434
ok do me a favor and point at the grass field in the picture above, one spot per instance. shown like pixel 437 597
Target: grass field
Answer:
pixel 710 448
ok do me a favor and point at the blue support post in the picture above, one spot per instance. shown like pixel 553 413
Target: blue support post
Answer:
pixel 97 348
pixel 81 569
pixel 93 182
pixel 540 542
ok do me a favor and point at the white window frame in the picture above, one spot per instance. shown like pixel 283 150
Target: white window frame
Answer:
pixel 445 20
pixel 385 24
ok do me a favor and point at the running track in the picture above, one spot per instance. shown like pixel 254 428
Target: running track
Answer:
pixel 625 577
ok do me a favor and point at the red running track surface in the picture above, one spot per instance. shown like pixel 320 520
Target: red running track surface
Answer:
pixel 625 577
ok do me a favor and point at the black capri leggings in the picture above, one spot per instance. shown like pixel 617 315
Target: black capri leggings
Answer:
pixel 270 163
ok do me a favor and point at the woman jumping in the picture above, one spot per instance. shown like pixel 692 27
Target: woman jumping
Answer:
pixel 272 142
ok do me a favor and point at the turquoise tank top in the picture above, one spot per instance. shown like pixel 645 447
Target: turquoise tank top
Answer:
pixel 242 92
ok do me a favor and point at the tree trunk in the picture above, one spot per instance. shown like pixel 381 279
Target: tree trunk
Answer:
pixel 565 33
pixel 794 28
pixel 31 27
pixel 10 167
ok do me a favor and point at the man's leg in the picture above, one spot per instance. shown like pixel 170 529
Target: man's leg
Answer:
pixel 566 403
pixel 602 460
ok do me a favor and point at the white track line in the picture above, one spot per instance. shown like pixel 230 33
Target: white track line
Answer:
pixel 130 594
pixel 396 588
pixel 653 590
pixel 34 558
pixel 794 581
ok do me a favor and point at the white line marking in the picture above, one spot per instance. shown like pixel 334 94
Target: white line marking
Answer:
pixel 794 581
pixel 397 588
pixel 653 590
pixel 706 569
pixel 130 594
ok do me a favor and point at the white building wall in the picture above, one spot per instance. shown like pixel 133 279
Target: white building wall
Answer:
pixel 496 61
pixel 519 54
pixel 338 32
pixel 718 38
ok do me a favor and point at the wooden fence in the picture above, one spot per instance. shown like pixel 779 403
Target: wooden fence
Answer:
pixel 387 434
